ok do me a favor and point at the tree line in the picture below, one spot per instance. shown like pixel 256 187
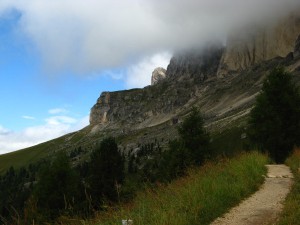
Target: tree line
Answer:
pixel 46 190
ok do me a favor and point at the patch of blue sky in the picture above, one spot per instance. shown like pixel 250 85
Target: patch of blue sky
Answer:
pixel 27 90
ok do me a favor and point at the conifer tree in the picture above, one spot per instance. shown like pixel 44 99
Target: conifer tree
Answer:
pixel 275 119
pixel 194 137
pixel 58 187
pixel 106 172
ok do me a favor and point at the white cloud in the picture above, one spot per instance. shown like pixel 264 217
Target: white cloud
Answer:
pixel 28 117
pixel 3 131
pixel 139 75
pixel 53 127
pixel 97 35
pixel 57 120
pixel 58 111
pixel 116 74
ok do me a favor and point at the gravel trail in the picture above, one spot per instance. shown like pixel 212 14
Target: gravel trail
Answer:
pixel 264 206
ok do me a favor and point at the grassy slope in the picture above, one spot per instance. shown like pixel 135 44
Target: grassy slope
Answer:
pixel 229 141
pixel 198 198
pixel 25 156
pixel 47 149
pixel 291 211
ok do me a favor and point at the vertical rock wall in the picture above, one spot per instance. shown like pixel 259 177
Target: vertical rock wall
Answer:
pixel 258 44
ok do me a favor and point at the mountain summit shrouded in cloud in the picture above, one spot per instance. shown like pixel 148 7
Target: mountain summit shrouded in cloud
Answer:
pixel 87 36
pixel 112 44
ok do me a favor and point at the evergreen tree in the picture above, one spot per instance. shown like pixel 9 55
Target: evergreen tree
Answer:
pixel 194 137
pixel 58 187
pixel 106 172
pixel 275 119
pixel 192 148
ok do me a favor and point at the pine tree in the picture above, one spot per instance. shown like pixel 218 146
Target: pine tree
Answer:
pixel 194 137
pixel 106 172
pixel 58 187
pixel 275 119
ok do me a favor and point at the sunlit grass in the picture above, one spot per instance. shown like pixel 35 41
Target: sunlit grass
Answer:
pixel 291 211
pixel 200 197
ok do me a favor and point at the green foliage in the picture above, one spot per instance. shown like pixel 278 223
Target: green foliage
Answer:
pixel 47 190
pixel 13 192
pixel 24 157
pixel 192 148
pixel 291 210
pixel 58 187
pixel 194 138
pixel 200 197
pixel 275 119
pixel 229 142
pixel 106 172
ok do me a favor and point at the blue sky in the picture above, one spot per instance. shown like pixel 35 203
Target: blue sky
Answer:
pixel 37 103
pixel 57 56
pixel 27 90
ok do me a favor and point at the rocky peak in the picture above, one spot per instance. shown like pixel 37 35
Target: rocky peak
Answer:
pixel 158 75
pixel 259 44
pixel 187 80
pixel 199 64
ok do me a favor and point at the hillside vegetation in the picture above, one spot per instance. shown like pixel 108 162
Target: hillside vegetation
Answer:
pixel 198 198
pixel 26 156
pixel 291 211
pixel 174 138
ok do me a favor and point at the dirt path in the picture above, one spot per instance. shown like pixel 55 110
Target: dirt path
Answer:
pixel 264 205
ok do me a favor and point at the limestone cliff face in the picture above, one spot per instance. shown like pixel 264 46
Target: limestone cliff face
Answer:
pixel 138 108
pixel 200 64
pixel 100 109
pixel 152 105
pixel 192 78
pixel 257 44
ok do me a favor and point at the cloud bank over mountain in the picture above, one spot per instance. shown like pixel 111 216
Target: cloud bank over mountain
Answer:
pixel 87 36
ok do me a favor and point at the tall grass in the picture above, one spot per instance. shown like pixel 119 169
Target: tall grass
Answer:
pixel 291 211
pixel 200 197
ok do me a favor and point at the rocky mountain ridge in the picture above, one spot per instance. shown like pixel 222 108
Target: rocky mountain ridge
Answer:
pixel 222 82
pixel 257 44
pixel 156 104
pixel 151 115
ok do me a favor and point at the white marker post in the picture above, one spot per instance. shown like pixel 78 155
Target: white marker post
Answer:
pixel 127 222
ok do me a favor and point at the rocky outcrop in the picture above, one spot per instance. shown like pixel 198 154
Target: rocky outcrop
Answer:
pixel 259 44
pixel 138 108
pixel 158 75
pixel 100 110
pixel 199 64
pixel 192 78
